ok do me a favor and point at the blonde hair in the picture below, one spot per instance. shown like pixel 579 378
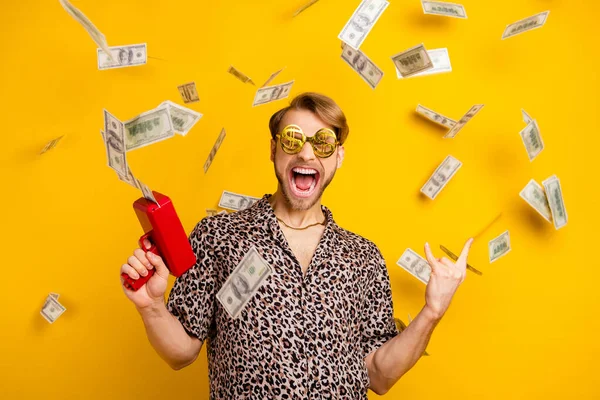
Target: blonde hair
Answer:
pixel 324 107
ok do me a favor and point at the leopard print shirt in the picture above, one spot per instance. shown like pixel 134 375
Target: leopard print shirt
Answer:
pixel 300 336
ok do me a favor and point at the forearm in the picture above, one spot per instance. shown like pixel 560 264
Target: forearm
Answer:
pixel 398 355
pixel 167 336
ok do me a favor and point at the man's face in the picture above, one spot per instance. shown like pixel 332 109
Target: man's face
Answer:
pixel 303 176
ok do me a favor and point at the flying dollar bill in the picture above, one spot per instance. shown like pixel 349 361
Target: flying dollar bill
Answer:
pixel 440 60
pixel 51 144
pixel 412 61
pixel 532 139
pixel 463 121
pixel 213 151
pixel 122 56
pixel 268 94
pixel 441 177
pixel 362 21
pixel 534 195
pixel 97 36
pixel 148 194
pixel 148 128
pixel 273 76
pixel 524 25
pixel 182 118
pixel 114 141
pixel 555 201
pixel 499 246
pixel 362 64
pixel 416 265
pixel 435 117
pixel 52 309
pixel 243 283
pixel 526 118
pixel 241 76
pixel 237 202
pixel 188 92
pixel 304 7
pixel 444 9
pixel 129 178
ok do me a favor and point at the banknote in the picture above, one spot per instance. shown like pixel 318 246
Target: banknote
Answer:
pixel 526 118
pixel 556 201
pixel 237 202
pixel 52 309
pixel 524 25
pixel 213 151
pixel 183 118
pixel 268 94
pixel 499 246
pixel 463 121
pixel 440 60
pixel 412 61
pixel 532 140
pixel 129 179
pixel 362 64
pixel 441 177
pixel 148 194
pixel 55 295
pixel 211 212
pixel 114 141
pixel 273 76
pixel 148 128
pixel 188 92
pixel 362 21
pixel 241 76
pixel 97 36
pixel 416 265
pixel 51 144
pixel 243 283
pixel 445 9
pixel 122 56
pixel 304 7
pixel 435 117
pixel 534 195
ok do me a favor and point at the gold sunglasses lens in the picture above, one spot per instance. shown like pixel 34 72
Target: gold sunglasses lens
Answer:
pixel 291 139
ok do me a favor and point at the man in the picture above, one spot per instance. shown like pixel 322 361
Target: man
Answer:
pixel 322 324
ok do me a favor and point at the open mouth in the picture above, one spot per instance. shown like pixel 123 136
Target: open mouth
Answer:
pixel 303 181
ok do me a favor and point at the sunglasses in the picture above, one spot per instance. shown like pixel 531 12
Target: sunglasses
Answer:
pixel 292 139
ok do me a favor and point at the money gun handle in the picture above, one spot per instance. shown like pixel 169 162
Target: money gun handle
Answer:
pixel 135 284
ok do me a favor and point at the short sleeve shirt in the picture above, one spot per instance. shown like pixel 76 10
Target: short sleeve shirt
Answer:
pixel 301 336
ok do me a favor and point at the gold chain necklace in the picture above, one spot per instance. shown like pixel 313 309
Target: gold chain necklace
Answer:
pixel 301 229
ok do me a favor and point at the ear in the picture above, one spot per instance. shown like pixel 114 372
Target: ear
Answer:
pixel 340 156
pixel 273 148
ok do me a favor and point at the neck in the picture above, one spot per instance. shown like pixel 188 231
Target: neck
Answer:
pixel 292 216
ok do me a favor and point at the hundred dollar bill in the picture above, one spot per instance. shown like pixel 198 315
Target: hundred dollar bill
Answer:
pixel 362 21
pixel 243 283
pixel 129 178
pixel 242 77
pixel 416 265
pixel 499 246
pixel 237 202
pixel 304 7
pixel 188 92
pixel 273 76
pixel 52 309
pixel 526 118
pixel 211 212
pixel 268 94
pixel 148 128
pixel 524 25
pixel 535 196
pixel 435 117
pixel 445 9
pixel 213 151
pixel 51 144
pixel 114 141
pixel 441 177
pixel 97 36
pixel 183 118
pixel 148 194
pixel 440 60
pixel 556 201
pixel 532 140
pixel 55 295
pixel 412 61
pixel 463 121
pixel 363 65
pixel 122 56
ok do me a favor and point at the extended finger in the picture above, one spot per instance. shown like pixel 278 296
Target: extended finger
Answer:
pixel 465 251
pixel 429 255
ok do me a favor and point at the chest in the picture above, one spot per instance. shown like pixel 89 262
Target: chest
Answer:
pixel 303 244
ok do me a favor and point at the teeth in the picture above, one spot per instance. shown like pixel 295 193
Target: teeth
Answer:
pixel 305 171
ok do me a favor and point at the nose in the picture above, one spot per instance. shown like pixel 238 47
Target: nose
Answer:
pixel 307 153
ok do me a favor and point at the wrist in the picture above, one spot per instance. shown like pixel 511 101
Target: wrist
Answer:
pixel 431 315
pixel 155 308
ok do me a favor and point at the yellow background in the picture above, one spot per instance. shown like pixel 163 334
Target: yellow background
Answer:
pixel 526 329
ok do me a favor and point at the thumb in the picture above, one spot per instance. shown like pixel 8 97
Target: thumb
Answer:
pixel 159 264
